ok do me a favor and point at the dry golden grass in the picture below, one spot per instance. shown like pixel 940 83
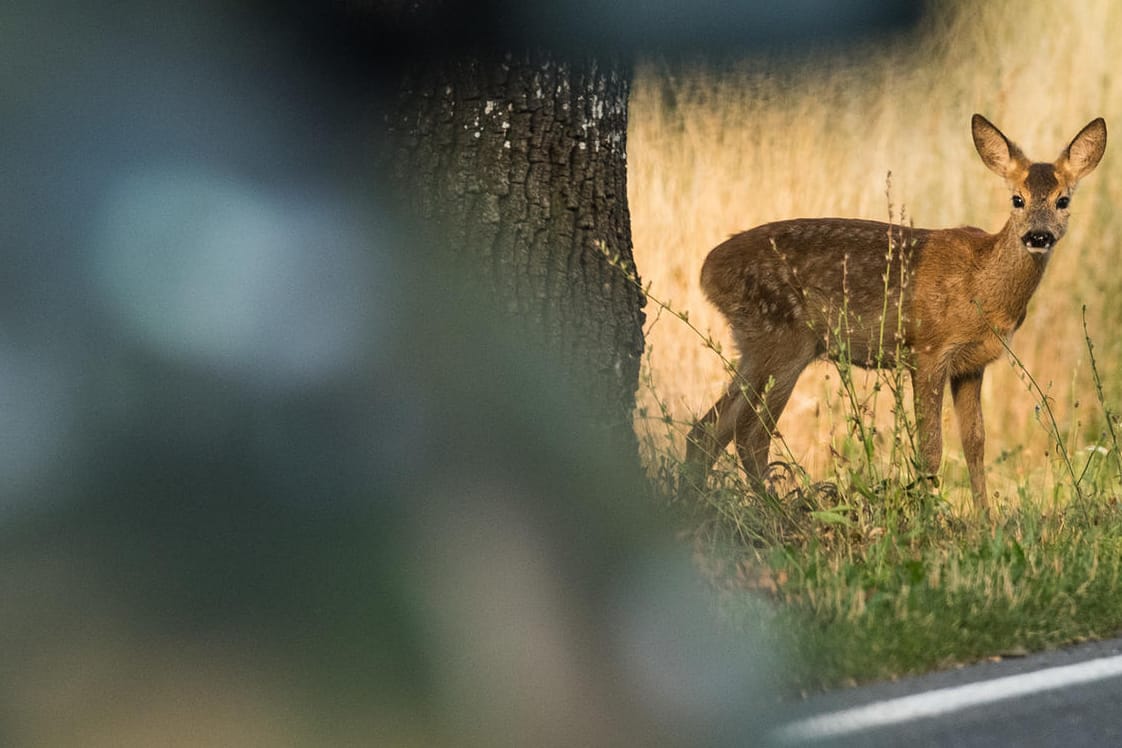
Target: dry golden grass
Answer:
pixel 713 153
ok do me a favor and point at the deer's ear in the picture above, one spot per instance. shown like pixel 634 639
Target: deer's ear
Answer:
pixel 1000 154
pixel 1084 152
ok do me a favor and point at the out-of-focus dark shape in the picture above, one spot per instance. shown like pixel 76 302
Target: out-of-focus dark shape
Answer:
pixel 271 472
pixel 712 26
pixel 421 30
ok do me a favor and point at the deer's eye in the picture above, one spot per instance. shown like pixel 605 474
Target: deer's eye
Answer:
pixel 1063 202
pixel 1018 201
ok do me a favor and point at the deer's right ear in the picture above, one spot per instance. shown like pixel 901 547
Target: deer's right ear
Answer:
pixel 1000 154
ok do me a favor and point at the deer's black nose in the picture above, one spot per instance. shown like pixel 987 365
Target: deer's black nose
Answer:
pixel 1039 239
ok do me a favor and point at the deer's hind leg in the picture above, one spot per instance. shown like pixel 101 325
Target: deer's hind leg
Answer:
pixel 748 411
pixel 711 434
pixel 774 378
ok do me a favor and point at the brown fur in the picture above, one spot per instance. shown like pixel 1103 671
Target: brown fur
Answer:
pixel 795 291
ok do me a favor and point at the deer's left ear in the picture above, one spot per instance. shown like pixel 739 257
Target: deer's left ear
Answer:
pixel 1084 152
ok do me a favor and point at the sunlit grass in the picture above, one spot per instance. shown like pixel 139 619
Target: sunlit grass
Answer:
pixel 713 152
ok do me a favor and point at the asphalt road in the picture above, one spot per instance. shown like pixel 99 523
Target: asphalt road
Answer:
pixel 1070 697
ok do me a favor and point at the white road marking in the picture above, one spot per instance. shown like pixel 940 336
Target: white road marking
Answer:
pixel 946 700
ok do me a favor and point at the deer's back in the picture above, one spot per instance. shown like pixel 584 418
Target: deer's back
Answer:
pixel 827 276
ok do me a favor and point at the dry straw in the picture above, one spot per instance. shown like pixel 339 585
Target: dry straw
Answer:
pixel 713 152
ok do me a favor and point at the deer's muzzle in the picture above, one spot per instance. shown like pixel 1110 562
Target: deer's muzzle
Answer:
pixel 1039 240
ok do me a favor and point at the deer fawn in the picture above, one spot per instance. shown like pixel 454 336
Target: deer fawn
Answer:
pixel 795 291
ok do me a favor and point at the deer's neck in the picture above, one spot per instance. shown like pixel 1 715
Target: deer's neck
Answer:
pixel 1008 277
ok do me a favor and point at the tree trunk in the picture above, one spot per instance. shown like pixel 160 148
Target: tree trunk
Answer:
pixel 519 164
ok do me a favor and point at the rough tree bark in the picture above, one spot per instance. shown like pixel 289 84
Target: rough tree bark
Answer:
pixel 520 161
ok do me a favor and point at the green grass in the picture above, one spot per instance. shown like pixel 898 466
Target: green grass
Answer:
pixel 901 603
pixel 868 583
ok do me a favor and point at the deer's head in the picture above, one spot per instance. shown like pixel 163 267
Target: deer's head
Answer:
pixel 1041 192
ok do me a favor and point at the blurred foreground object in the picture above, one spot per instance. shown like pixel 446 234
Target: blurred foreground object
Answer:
pixel 274 473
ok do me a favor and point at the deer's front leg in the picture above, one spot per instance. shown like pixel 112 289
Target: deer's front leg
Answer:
pixel 929 379
pixel 966 389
